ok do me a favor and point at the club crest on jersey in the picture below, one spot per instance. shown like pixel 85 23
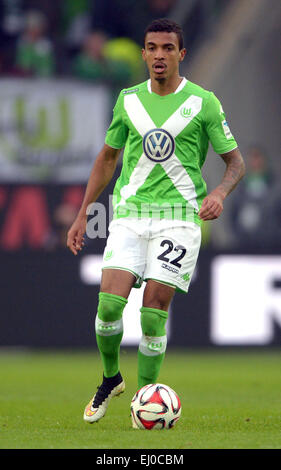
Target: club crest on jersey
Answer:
pixel 158 145
pixel 186 112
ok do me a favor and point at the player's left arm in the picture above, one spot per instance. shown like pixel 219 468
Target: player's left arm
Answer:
pixel 212 205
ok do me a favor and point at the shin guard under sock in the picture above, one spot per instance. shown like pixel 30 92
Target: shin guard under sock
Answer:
pixel 153 344
pixel 109 330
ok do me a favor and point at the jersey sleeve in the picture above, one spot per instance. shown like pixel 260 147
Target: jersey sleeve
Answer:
pixel 117 132
pixel 217 127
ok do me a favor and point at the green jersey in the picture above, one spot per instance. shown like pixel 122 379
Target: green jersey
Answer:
pixel 166 140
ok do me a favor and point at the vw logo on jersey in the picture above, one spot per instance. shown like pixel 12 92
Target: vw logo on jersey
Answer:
pixel 158 145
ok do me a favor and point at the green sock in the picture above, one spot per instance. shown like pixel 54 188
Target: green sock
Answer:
pixel 109 331
pixel 153 344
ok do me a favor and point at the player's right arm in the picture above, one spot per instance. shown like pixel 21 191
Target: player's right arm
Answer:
pixel 101 174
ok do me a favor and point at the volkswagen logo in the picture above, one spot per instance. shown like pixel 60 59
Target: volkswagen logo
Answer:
pixel 158 145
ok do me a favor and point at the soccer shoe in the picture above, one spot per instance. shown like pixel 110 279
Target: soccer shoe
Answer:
pixel 110 387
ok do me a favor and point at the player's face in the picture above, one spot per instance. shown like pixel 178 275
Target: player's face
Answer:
pixel 162 54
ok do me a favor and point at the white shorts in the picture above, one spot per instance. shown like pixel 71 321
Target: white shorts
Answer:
pixel 163 250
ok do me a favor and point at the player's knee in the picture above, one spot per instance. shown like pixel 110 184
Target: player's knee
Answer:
pixel 157 295
pixel 157 304
pixel 109 319
pixel 153 321
pixel 110 306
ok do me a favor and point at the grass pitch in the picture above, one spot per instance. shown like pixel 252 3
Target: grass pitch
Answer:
pixel 230 400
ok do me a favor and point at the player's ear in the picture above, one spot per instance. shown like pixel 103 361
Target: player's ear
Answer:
pixel 182 54
pixel 143 54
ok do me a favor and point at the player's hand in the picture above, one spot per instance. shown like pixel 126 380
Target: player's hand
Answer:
pixel 75 236
pixel 212 206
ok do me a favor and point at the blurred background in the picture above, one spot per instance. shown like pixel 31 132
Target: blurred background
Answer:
pixel 62 65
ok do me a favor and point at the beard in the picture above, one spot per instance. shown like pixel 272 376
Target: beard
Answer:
pixel 160 79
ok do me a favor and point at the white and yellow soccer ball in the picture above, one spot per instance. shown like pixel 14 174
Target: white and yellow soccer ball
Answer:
pixel 155 406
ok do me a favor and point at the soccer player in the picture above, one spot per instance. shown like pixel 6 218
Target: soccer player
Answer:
pixel 159 202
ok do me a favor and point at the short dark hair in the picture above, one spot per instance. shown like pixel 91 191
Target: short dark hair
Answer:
pixel 167 26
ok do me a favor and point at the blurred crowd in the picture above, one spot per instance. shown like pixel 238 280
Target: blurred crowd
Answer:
pixel 255 213
pixel 96 40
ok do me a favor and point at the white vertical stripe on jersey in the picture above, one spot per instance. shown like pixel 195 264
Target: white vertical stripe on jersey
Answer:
pixel 137 114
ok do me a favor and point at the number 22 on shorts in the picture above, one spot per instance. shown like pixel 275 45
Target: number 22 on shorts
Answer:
pixel 171 248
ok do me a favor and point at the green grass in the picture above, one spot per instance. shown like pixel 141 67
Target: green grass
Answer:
pixel 230 400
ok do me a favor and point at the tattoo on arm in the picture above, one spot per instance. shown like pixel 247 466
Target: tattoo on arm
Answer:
pixel 235 170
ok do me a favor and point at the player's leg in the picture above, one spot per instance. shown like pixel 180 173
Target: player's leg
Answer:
pixel 158 295
pixel 123 265
pixel 154 314
pixel 171 259
pixel 116 285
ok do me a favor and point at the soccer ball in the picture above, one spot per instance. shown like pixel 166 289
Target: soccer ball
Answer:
pixel 155 406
